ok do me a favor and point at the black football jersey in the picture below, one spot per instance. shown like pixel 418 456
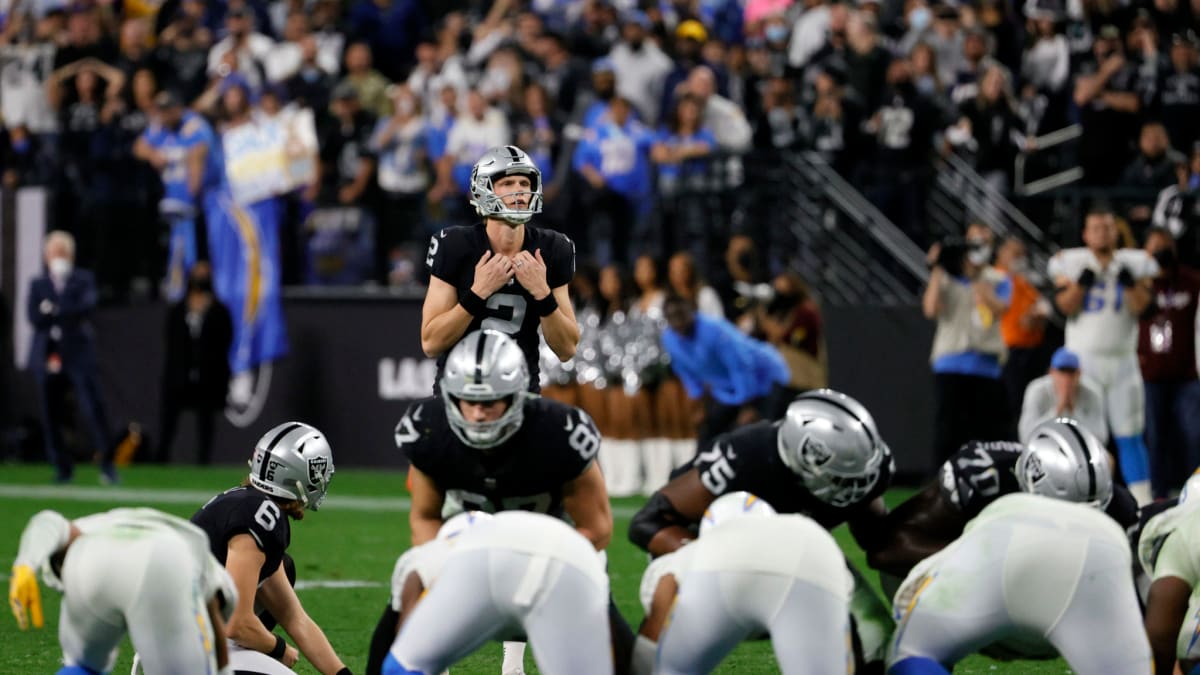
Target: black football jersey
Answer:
pixel 982 471
pixel 748 459
pixel 555 444
pixel 452 256
pixel 246 510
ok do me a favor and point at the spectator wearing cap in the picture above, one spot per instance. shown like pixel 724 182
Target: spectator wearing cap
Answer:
pixel 690 37
pixel 347 161
pixel 250 48
pixel 368 82
pixel 1167 354
pixel 1179 93
pixel 182 147
pixel 1063 392
pixel 1152 170
pixel 1109 107
pixel 640 66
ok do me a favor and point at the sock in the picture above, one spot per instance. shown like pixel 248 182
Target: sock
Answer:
pixel 1135 466
pixel 625 466
pixel 392 667
pixel 917 665
pixel 645 651
pixel 514 659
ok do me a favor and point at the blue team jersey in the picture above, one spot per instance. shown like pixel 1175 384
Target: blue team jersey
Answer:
pixel 687 168
pixel 175 145
pixel 620 154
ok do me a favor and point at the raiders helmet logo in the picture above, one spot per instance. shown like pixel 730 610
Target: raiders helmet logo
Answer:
pixel 316 470
pixel 815 451
pixel 1033 469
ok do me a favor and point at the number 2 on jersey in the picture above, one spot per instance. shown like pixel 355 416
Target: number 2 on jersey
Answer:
pixel 509 326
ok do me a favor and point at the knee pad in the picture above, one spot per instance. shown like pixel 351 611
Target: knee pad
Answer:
pixel 392 667
pixel 917 665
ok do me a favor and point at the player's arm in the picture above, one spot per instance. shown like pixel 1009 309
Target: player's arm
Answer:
pixel 560 328
pixel 278 597
pixel 660 608
pixel 868 525
pixel 1069 295
pixel 1166 608
pixel 1138 295
pixel 661 526
pixel 915 530
pixel 197 155
pixel 425 515
pixel 443 320
pixel 243 561
pixel 585 499
pixel 410 595
pixel 931 301
pixel 218 631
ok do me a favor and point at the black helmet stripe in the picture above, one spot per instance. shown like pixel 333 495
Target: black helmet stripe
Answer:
pixel 479 349
pixel 853 415
pixel 1087 455
pixel 513 152
pixel 262 470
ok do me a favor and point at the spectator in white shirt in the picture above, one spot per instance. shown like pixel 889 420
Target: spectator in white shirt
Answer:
pixel 252 48
pixel 727 121
pixel 641 67
pixel 472 134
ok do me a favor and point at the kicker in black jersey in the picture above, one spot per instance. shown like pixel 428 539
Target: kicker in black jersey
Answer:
pixel 452 256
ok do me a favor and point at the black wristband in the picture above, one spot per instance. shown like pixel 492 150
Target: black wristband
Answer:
pixel 546 306
pixel 475 305
pixel 344 671
pixel 279 650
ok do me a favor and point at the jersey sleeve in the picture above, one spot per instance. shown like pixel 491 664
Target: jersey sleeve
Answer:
pixel 581 438
pixel 560 264
pixel 974 476
pixel 443 255
pixel 263 520
pixel 1176 558
pixel 1123 508
pixel 413 434
pixel 1139 263
pixel 729 463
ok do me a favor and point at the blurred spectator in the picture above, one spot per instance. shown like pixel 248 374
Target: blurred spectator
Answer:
pixel 288 56
pixel 312 83
pixel 1023 326
pixel 792 323
pixel 503 80
pixel 595 33
pixel 63 354
pixel 723 117
pixel 925 72
pixel 370 85
pixel 182 147
pixel 782 124
pixel 391 28
pixel 741 283
pixel 198 335
pixel 975 59
pixel 85 37
pixel 837 116
pixel 472 133
pixel 538 129
pixel 808 33
pixel 347 159
pixel 614 160
pixel 690 37
pixel 183 48
pixel 1105 91
pixel 685 282
pixel 758 11
pixel 966 298
pixel 867 61
pixel 1178 210
pixel 604 88
pixel 738 378
pixel 432 74
pixel 1046 65
pixel 563 73
pixel 400 144
pixel 20 159
pixel 1063 392
pixel 1142 46
pixel 249 48
pixel 1179 93
pixel 1167 354
pixel 135 52
pixel 680 152
pixel 641 67
pixel 1154 168
pixel 988 129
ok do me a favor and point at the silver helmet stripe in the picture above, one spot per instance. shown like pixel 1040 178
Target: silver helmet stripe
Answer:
pixel 853 415
pixel 262 470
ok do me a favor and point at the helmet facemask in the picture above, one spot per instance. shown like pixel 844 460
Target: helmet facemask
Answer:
pixel 485 435
pixel 496 164
pixel 485 366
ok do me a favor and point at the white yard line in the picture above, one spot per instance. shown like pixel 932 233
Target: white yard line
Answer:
pixel 307 584
pixel 79 493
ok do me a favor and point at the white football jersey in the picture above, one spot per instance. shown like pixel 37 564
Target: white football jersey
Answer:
pixel 426 561
pixel 535 534
pixel 1103 326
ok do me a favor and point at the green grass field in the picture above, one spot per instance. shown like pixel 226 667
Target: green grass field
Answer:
pixel 355 538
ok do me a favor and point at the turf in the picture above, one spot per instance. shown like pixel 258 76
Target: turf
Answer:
pixel 351 539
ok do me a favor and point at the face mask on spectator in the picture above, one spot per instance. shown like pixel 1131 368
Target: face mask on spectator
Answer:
pixel 60 268
pixel 919 18
pixel 776 32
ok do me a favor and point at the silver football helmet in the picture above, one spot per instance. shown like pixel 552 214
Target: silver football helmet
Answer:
pixel 293 461
pixel 486 365
pixel 830 442
pixel 1065 461
pixel 505 160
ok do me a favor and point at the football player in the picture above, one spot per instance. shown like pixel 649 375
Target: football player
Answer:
pixel 1103 290
pixel 1169 553
pixel 249 529
pixel 825 459
pixel 514 575
pixel 501 274
pixel 487 444
pixel 1032 576
pixel 135 571
pixel 982 472
pixel 797 594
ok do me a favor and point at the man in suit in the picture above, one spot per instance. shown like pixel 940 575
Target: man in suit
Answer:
pixel 63 354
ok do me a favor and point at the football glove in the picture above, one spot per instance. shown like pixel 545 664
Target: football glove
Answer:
pixel 1125 278
pixel 1087 278
pixel 24 596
